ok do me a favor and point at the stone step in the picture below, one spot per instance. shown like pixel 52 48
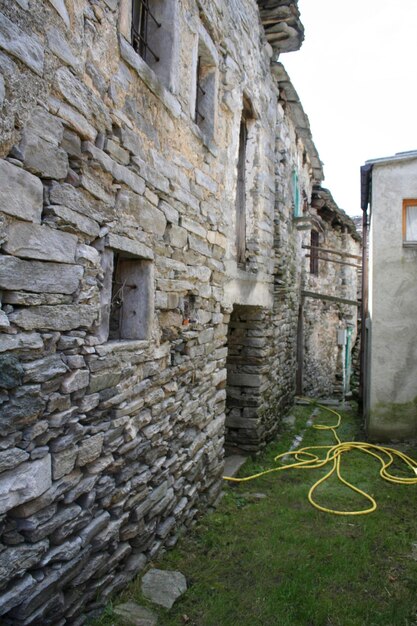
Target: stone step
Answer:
pixel 233 464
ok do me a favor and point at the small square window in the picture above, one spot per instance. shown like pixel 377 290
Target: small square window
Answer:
pixel 129 309
pixel 126 297
pixel 410 221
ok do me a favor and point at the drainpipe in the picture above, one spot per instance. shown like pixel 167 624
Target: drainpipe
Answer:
pixel 366 180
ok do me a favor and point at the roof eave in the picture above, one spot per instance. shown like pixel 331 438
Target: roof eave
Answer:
pixel 283 28
pixel 300 120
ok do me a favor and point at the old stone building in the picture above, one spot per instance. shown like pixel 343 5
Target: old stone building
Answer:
pixel 158 182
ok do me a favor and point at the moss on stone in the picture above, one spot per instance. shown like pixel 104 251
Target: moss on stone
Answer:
pixel 393 420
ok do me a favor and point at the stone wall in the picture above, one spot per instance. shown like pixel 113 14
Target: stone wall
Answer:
pixel 119 276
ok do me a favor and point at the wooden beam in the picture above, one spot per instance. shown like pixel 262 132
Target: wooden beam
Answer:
pixel 333 251
pixel 323 258
pixel 322 296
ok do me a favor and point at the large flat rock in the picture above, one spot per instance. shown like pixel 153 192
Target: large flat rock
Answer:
pixel 26 482
pixel 20 45
pixel 21 193
pixel 38 277
pixel 60 317
pixel 163 587
pixel 32 241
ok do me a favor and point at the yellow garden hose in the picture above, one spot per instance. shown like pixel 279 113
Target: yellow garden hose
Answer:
pixel 309 458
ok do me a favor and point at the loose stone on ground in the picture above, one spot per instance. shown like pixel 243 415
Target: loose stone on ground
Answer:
pixel 163 587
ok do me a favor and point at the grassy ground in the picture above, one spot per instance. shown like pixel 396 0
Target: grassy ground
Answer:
pixel 277 561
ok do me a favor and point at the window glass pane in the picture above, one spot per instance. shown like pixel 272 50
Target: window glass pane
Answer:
pixel 411 223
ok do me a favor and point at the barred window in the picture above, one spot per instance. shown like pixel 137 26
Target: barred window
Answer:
pixel 151 27
pixel 206 85
pixel 144 22
pixel 201 93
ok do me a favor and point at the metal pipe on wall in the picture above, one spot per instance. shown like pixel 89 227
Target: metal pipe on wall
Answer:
pixel 366 183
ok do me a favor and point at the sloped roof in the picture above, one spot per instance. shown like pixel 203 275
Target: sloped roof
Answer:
pixel 295 110
pixel 366 172
pixel 327 208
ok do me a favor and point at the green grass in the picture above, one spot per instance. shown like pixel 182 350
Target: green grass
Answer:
pixel 277 561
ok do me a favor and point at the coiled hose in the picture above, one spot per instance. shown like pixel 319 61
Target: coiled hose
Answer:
pixel 311 457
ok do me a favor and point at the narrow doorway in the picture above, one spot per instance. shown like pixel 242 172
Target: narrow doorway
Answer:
pixel 246 367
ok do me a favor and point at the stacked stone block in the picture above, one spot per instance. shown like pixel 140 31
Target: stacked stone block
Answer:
pixel 247 364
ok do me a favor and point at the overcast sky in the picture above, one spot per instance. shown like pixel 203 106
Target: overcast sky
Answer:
pixel 356 75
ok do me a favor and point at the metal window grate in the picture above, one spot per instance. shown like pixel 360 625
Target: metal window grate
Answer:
pixel 141 14
pixel 199 117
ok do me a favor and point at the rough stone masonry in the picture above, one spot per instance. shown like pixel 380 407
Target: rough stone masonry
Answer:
pixel 154 201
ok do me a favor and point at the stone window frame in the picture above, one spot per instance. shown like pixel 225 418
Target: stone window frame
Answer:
pixel 205 72
pixel 407 203
pixel 161 76
pixel 134 272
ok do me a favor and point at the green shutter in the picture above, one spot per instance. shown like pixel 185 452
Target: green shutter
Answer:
pixel 296 194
